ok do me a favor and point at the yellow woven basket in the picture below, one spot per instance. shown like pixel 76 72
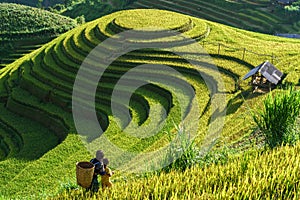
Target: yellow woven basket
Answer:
pixel 84 173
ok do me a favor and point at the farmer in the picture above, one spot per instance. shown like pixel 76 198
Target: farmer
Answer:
pixel 99 169
pixel 105 179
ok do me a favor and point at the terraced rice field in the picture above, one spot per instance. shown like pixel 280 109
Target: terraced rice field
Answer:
pixel 38 92
pixel 250 15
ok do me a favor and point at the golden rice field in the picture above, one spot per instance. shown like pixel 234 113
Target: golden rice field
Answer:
pixel 252 175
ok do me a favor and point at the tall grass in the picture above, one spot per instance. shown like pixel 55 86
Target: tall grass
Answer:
pixel 184 153
pixel 278 118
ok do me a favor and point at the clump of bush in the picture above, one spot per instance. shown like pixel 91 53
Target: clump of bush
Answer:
pixel 184 153
pixel 278 120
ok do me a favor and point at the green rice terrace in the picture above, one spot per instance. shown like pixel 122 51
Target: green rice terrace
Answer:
pixel 23 29
pixel 40 144
pixel 254 15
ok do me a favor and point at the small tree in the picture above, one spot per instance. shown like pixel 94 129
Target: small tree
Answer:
pixel 278 119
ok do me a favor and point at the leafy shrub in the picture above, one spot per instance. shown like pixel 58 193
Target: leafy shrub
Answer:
pixel 278 118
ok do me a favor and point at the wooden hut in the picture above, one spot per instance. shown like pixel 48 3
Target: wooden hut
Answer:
pixel 264 77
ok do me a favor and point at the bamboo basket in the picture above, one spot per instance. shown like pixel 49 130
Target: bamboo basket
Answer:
pixel 84 173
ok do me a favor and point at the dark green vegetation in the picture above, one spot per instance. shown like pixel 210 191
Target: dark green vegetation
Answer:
pixel 18 22
pixel 294 7
pixel 66 3
pixel 99 8
pixel 35 3
pixel 253 15
pixel 76 8
pixel 36 95
pixel 23 29
pixel 83 8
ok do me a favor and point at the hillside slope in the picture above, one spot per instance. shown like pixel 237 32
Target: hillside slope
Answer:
pixel 18 21
pixel 255 15
pixel 38 90
pixel 23 29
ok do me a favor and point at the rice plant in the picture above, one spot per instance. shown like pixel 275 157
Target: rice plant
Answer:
pixel 273 174
pixel 278 118
pixel 183 152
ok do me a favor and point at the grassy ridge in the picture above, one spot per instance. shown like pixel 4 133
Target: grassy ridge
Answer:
pixel 46 77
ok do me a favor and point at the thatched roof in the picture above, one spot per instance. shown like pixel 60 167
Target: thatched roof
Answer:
pixel 269 71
